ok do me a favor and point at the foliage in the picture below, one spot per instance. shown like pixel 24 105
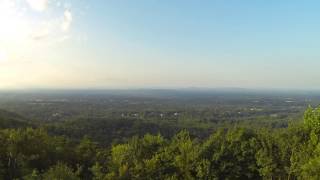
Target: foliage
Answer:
pixel 228 153
pixel 60 172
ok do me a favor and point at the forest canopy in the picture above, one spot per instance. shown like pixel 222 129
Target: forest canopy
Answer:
pixel 228 153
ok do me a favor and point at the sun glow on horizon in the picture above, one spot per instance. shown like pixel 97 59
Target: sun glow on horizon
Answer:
pixel 29 29
pixel 15 27
pixel 22 30
pixel 3 56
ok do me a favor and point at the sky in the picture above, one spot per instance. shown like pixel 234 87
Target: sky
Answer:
pixel 159 44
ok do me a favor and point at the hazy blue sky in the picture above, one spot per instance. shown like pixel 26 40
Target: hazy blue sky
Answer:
pixel 159 43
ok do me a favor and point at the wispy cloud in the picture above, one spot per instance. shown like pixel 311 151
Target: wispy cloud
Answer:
pixel 38 5
pixel 30 25
pixel 42 33
pixel 66 23
pixel 54 30
pixel 53 27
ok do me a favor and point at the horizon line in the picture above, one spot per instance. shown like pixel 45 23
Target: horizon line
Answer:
pixel 162 88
